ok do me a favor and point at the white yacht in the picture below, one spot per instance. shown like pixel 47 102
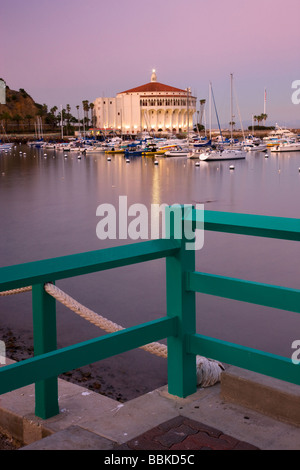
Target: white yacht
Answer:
pixel 178 152
pixel 286 147
pixel 254 147
pixel 227 154
pixel 278 135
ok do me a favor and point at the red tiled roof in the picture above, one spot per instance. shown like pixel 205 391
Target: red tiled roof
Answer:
pixel 153 87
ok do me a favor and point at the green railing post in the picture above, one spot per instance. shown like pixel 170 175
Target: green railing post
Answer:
pixel 182 379
pixel 45 340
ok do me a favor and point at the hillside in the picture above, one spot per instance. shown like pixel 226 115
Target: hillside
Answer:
pixel 18 103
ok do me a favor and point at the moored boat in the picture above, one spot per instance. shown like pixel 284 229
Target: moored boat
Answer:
pixel 178 152
pixel 252 147
pixel 6 146
pixel 286 147
pixel 228 154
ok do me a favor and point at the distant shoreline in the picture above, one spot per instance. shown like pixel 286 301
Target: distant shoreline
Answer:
pixel 25 137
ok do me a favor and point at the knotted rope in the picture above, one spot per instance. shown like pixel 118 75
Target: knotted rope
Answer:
pixel 208 370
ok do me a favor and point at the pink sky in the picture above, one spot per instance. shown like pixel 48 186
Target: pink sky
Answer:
pixel 65 51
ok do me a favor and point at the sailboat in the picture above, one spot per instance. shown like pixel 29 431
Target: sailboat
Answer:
pixel 229 153
pixel 5 145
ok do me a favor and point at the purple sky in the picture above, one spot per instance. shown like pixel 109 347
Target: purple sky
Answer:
pixel 66 51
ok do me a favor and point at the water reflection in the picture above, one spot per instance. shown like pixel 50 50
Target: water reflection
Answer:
pixel 48 208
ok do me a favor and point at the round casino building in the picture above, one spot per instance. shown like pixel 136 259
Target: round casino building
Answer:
pixel 150 107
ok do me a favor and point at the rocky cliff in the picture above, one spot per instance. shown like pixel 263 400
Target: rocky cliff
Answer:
pixel 18 103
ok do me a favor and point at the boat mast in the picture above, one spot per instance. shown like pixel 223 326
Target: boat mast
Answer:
pixel 265 105
pixel 231 106
pixel 210 110
pixel 62 127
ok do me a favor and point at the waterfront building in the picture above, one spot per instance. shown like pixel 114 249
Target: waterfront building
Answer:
pixel 2 91
pixel 150 107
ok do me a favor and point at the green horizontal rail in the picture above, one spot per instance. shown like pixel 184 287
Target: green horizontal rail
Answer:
pixel 62 360
pixel 246 291
pixel 252 359
pixel 247 224
pixel 37 272
pixel 178 326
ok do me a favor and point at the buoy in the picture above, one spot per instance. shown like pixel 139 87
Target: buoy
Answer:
pixel 108 159
pixel 156 162
pixel 266 155
pixel 231 167
pixel 79 157
pixel 197 164
pixel 127 161
pixel 299 169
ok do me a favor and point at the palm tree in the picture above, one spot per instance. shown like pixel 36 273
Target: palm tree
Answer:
pixel 52 118
pixel 259 118
pixel 53 110
pixel 68 117
pixel 85 104
pixel 77 107
pixel 92 114
pixel 264 117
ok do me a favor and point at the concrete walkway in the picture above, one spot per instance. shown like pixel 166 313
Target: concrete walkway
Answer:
pixel 212 418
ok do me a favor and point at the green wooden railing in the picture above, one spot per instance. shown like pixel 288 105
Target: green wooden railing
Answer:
pixel 179 324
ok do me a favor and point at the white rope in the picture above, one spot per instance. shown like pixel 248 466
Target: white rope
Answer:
pixel 15 291
pixel 208 370
pixel 96 319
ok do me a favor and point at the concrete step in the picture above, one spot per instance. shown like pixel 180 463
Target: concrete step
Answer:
pixel 275 398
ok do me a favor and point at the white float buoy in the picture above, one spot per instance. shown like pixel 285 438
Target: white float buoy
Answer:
pixel 127 160
pixel 231 167
pixel 108 159
pixel 156 162
pixel 79 157
pixel 197 164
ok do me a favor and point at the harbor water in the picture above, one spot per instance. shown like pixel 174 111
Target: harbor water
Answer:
pixel 48 205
